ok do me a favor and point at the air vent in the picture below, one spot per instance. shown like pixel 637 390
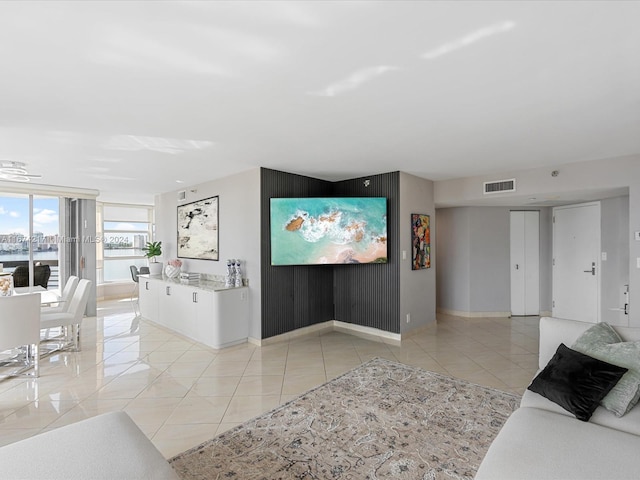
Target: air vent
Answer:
pixel 500 186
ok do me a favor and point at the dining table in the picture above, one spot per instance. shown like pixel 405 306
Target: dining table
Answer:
pixel 47 297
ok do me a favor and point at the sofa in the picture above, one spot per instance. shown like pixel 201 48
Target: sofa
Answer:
pixel 542 440
pixel 108 446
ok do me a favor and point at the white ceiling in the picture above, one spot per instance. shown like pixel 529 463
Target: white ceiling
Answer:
pixel 129 97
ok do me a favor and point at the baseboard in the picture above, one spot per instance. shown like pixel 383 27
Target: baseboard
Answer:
pixel 115 297
pixel 366 332
pixel 311 330
pixel 545 313
pixel 460 313
pixel 331 326
pixel 115 291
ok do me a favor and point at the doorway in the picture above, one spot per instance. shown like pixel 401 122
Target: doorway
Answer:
pixel 525 262
pixel 576 262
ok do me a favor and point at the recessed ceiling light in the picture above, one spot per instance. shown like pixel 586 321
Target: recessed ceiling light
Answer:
pixel 179 181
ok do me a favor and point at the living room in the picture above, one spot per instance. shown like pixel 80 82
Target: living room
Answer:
pixel 250 121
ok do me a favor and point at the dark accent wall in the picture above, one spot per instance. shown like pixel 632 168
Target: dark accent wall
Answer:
pixel 292 296
pixel 369 294
pixel 299 296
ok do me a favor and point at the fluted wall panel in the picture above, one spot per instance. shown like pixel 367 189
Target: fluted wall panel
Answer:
pixel 369 294
pixel 298 296
pixel 292 296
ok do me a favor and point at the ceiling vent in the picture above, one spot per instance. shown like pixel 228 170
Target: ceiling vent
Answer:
pixel 500 186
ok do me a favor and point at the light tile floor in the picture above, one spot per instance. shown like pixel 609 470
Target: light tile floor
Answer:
pixel 181 393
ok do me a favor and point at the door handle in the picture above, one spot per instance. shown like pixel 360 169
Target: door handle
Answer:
pixel 517 266
pixel 593 269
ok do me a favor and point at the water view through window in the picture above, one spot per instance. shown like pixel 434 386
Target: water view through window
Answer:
pixel 124 230
pixel 15 238
pixel 123 244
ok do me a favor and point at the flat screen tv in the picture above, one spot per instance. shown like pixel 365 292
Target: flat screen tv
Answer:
pixel 316 231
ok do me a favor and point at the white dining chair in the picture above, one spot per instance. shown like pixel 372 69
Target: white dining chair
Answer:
pixel 20 331
pixel 70 319
pixel 67 294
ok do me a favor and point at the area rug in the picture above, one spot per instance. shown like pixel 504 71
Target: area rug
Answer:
pixel 380 420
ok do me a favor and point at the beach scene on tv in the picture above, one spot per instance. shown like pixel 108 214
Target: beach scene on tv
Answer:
pixel 320 231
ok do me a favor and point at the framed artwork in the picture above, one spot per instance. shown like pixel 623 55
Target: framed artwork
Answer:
pixel 198 230
pixel 420 241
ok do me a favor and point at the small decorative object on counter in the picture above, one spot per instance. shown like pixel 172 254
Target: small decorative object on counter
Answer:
pixel 6 285
pixel 153 250
pixel 172 270
pixel 229 279
pixel 238 274
pixel 189 277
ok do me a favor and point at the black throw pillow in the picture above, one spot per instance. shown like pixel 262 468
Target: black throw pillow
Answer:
pixel 576 382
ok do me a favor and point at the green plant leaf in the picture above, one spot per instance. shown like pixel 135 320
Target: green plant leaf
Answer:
pixel 152 249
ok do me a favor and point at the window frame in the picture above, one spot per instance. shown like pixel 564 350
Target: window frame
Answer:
pixel 103 233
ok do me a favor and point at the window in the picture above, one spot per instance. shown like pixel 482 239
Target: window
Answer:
pixel 29 230
pixel 122 231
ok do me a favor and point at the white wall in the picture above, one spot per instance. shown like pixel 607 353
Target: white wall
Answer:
pixel 239 230
pixel 489 257
pixel 614 270
pixel 417 287
pixel 622 173
pixel 474 259
pixel 453 243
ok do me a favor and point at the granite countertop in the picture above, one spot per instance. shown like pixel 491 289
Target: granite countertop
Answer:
pixel 203 284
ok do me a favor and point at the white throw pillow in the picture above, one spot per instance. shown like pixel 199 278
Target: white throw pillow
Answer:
pixel 602 342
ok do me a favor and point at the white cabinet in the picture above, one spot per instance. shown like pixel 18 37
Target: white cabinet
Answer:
pixel 174 308
pixel 203 306
pixel 231 308
pixel 148 298
pixel 216 317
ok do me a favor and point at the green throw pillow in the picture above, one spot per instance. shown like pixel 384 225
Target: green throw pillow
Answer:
pixel 602 342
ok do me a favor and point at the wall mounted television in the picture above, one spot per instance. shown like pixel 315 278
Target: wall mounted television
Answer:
pixel 317 231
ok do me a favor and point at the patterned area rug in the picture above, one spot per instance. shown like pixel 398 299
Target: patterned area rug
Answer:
pixel 381 420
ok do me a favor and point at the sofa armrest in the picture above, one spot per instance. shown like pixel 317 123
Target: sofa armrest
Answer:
pixel 537 444
pixel 108 446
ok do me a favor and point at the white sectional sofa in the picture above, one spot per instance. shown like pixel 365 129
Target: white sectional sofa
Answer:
pixel 541 440
pixel 108 446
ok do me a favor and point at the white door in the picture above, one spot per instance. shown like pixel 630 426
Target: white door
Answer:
pixel 576 262
pixel 525 263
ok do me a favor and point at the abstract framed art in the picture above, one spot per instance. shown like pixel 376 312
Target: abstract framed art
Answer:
pixel 420 241
pixel 198 230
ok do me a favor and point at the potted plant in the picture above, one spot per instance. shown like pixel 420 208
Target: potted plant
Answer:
pixel 153 250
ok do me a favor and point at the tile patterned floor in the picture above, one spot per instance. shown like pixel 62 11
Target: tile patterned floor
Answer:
pixel 182 393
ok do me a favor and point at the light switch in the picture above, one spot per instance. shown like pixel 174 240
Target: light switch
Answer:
pixel 604 256
pixel 404 254
pixel 638 262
